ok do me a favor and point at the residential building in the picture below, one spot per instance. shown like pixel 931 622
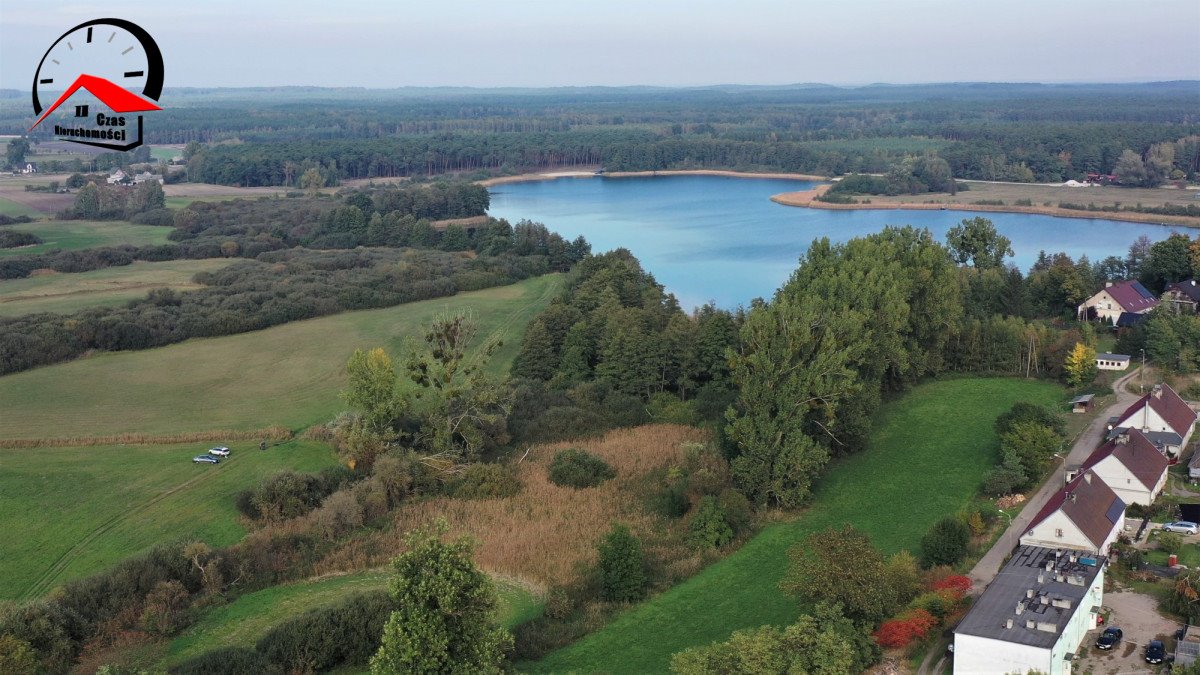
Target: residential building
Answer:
pixel 30 167
pixel 147 176
pixel 1107 361
pixel 1164 418
pixel 1182 297
pixel 1117 298
pixel 117 176
pixel 1033 616
pixel 1131 465
pixel 1086 515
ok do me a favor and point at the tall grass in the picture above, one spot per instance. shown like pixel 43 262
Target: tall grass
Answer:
pixel 268 434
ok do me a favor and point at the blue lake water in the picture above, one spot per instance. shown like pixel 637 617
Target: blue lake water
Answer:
pixel 715 238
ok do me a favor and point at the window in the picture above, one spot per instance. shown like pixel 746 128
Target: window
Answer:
pixel 1058 532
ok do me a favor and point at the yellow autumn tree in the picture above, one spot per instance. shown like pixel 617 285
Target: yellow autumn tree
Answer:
pixel 1081 365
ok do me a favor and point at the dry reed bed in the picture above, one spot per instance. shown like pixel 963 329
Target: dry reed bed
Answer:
pixel 544 534
pixel 269 434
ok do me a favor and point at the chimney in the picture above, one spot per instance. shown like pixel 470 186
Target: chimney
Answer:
pixel 1008 624
pixel 1030 624
pixel 1020 608
pixel 1041 578
pixel 1049 566
pixel 1193 282
pixel 1156 392
pixel 1073 495
pixel 1108 284
pixel 1045 599
pixel 1029 593
pixel 1122 438
pixel 1072 557
pixel 1087 478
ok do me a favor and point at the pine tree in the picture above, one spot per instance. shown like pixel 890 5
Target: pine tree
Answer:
pixel 622 566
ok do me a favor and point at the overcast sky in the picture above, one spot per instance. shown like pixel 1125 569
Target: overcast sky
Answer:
pixel 381 43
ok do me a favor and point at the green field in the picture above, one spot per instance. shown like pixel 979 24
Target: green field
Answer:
pixel 245 620
pixel 10 208
pixel 289 375
pixel 63 293
pixel 70 512
pixel 928 454
pixel 80 234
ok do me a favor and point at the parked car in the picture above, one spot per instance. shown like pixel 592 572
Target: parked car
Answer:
pixel 1182 527
pixel 219 451
pixel 1111 637
pixel 1155 652
pixel 206 459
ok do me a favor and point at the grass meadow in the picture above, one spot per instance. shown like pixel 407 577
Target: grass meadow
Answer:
pixel 245 620
pixel 10 208
pixel 928 454
pixel 70 235
pixel 70 512
pixel 65 293
pixel 289 375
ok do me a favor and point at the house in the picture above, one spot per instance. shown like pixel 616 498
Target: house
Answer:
pixel 1162 416
pixel 1033 616
pixel 30 167
pixel 116 177
pixel 1182 297
pixel 1117 297
pixel 1107 361
pixel 1083 403
pixel 1131 465
pixel 146 176
pixel 1086 515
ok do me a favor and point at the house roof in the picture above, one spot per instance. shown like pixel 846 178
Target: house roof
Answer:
pixel 1090 503
pixel 118 99
pixel 1132 296
pixel 1127 319
pixel 1136 452
pixel 1107 356
pixel 1188 287
pixel 1169 406
pixel 1026 571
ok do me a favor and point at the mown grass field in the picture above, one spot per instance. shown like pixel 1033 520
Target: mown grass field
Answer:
pixel 65 293
pixel 10 208
pixel 289 375
pixel 69 512
pixel 80 234
pixel 245 620
pixel 928 454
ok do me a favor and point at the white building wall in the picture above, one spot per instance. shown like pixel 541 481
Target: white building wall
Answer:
pixel 1122 481
pixel 1047 534
pixel 974 655
pixel 1145 419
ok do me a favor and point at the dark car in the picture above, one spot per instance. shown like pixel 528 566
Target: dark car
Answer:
pixel 1111 637
pixel 205 459
pixel 1155 652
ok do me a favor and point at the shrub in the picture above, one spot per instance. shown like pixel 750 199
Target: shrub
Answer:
pixel 579 469
pixel 709 527
pixel 1004 480
pixel 622 566
pixel 16 656
pixel 339 515
pixel 912 625
pixel 227 661
pixel 955 582
pixel 945 543
pixel 166 607
pixel 346 633
pixel 485 481
pixel 737 509
pixel 1029 412
pixel 1169 542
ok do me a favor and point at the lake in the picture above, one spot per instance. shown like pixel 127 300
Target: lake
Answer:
pixel 721 239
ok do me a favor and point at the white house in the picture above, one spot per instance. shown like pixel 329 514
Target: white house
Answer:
pixel 146 176
pixel 1164 418
pixel 1131 465
pixel 1086 515
pixel 30 167
pixel 1117 298
pixel 1033 616
pixel 117 176
pixel 1107 361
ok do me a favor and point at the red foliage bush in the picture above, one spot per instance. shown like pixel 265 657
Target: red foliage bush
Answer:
pixel 901 631
pixel 957 583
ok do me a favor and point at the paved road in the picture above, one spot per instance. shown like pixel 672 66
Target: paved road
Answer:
pixel 989 565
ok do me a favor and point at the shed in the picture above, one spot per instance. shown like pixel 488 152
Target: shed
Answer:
pixel 1187 650
pixel 1109 361
pixel 1082 404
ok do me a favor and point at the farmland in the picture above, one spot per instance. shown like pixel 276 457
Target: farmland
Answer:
pixel 99 505
pixel 929 452
pixel 81 234
pixel 289 375
pixel 248 618
pixel 64 293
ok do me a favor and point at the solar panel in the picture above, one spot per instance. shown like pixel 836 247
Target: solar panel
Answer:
pixel 1115 511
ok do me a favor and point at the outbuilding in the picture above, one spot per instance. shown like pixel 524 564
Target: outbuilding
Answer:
pixel 1108 361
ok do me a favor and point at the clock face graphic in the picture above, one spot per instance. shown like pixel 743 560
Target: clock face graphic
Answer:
pixel 113 59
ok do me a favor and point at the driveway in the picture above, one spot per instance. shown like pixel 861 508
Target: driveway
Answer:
pixel 1137 616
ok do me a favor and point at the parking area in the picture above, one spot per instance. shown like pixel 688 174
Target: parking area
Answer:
pixel 1137 616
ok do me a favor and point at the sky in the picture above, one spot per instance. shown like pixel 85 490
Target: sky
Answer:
pixel 540 43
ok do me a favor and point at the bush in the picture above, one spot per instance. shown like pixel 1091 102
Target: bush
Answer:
pixel 1169 542
pixel 902 631
pixel 737 509
pixel 945 543
pixel 1003 480
pixel 709 527
pixel 579 469
pixel 1029 412
pixel 227 661
pixel 485 481
pixel 346 633
pixel 622 566
pixel 16 656
pixel 166 607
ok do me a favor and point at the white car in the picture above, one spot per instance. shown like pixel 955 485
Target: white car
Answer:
pixel 220 451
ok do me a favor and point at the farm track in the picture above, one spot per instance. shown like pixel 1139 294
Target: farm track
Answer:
pixel 46 581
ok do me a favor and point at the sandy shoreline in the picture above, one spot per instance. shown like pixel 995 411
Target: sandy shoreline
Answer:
pixel 591 173
pixel 808 199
